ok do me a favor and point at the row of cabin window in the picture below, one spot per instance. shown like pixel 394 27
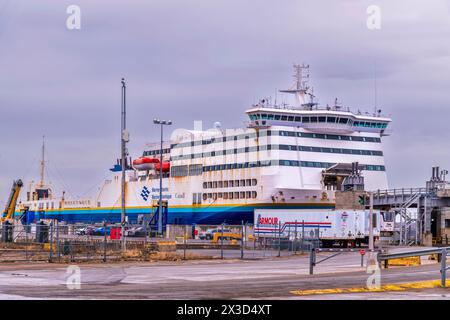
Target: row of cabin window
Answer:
pixel 314 119
pixel 282 133
pixel 46 205
pixel 277 147
pixel 230 195
pixel 230 183
pixel 155 152
pixel 290 163
pixel 328 136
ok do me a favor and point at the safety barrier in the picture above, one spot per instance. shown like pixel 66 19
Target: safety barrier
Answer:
pixel 441 252
pixel 313 258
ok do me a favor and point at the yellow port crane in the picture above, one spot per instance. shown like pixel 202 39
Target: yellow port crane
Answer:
pixel 12 201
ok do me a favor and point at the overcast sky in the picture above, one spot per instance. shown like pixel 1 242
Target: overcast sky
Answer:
pixel 209 60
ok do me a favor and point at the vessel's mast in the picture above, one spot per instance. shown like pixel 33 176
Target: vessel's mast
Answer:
pixel 41 184
pixel 300 89
pixel 124 139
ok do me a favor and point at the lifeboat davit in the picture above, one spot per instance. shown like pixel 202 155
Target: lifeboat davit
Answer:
pixel 165 166
pixel 145 163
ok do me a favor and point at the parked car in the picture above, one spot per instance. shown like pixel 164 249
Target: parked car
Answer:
pixel 81 231
pixel 136 232
pixel 209 234
pixel 101 231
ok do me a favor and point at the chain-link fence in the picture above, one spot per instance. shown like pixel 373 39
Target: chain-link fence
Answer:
pixel 60 242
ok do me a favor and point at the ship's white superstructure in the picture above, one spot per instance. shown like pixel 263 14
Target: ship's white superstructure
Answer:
pixel 286 156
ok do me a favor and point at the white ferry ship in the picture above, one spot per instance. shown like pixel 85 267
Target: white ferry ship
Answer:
pixel 288 156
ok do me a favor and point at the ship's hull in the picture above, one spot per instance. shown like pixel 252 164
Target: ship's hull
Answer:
pixel 186 215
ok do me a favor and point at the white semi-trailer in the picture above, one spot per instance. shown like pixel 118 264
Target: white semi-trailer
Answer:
pixel 330 226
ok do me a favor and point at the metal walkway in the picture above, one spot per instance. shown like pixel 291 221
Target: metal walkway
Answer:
pixel 413 226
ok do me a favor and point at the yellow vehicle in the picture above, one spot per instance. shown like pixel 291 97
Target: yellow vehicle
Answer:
pixel 12 201
pixel 226 236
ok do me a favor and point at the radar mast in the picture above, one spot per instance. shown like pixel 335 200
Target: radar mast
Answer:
pixel 301 87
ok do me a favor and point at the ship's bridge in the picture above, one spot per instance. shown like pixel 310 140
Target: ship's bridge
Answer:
pixel 307 114
pixel 326 120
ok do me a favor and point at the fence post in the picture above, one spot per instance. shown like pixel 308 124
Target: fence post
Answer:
pixel 72 257
pixel 242 239
pixel 279 239
pixel 264 251
pixel 312 258
pixel 185 242
pixel 443 267
pixel 57 241
pixel 104 241
pixel 303 235
pixel 295 238
pixel 221 243
pixel 50 255
pixel 26 244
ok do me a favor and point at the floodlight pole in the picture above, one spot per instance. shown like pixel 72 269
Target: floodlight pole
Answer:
pixel 161 123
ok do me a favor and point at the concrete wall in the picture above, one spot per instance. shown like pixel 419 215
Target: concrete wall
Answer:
pixel 349 200
pixel 445 215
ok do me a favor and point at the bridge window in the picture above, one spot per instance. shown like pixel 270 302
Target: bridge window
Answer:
pixel 447 223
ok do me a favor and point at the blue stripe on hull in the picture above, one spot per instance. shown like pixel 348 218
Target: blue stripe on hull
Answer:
pixel 192 215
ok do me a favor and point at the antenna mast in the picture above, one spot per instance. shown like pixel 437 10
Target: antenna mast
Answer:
pixel 300 88
pixel 375 88
pixel 41 184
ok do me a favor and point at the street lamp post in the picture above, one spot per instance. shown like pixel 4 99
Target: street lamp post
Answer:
pixel 161 123
pixel 370 259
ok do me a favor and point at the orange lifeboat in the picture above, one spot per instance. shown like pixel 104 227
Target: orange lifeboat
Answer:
pixel 145 163
pixel 165 166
